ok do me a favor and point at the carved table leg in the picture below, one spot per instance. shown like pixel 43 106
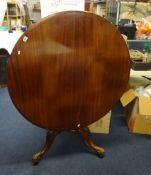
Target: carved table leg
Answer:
pixel 85 134
pixel 49 139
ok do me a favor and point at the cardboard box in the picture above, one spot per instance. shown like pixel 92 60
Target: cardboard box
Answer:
pixel 102 125
pixel 137 112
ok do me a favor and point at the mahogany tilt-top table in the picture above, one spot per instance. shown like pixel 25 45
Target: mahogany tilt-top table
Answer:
pixel 66 72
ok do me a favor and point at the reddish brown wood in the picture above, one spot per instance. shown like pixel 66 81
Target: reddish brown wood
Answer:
pixel 49 139
pixel 68 70
pixel 85 134
pixel 36 158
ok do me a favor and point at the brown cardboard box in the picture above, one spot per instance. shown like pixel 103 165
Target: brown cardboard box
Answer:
pixel 137 111
pixel 102 125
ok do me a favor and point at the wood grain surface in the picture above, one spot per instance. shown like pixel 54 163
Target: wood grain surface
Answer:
pixel 68 70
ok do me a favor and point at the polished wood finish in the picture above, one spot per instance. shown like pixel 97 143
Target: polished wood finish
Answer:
pixel 85 134
pixel 49 139
pixel 36 158
pixel 68 70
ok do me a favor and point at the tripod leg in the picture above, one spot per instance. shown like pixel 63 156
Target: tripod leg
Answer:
pixel 85 134
pixel 49 139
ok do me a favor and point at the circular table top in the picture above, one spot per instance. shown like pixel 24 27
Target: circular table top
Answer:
pixel 68 70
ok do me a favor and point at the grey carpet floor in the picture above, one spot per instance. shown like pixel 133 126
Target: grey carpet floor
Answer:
pixel 126 154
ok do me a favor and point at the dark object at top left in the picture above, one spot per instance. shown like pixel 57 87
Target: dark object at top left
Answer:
pixel 4 56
